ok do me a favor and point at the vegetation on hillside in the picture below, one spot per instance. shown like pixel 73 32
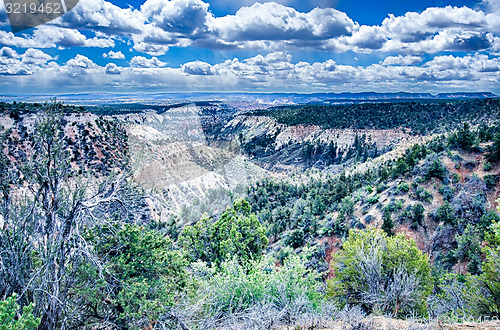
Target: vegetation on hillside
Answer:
pixel 77 249
pixel 420 118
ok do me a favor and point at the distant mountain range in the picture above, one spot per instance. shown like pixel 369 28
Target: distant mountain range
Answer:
pixel 257 99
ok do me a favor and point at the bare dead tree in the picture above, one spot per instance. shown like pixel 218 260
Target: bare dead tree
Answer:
pixel 43 210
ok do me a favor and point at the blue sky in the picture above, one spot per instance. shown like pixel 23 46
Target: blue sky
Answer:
pixel 245 45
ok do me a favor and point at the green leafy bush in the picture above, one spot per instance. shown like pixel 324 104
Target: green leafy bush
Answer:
pixel 380 272
pixel 235 290
pixel 138 277
pixel 403 188
pixel 295 238
pixel 9 320
pixel 236 233
pixel 446 214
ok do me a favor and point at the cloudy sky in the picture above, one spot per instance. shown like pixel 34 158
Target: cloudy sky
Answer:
pixel 245 45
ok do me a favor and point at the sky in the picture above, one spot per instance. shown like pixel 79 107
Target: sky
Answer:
pixel 300 46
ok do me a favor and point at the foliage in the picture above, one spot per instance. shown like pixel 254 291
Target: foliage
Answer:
pixel 295 238
pixel 446 214
pixel 463 139
pixel 403 188
pixel 9 320
pixel 494 151
pixel 377 271
pixel 436 170
pixel 238 288
pixel 387 223
pixel 43 207
pixel 484 290
pixel 138 277
pixel 421 118
pixel 236 233
pixel 469 248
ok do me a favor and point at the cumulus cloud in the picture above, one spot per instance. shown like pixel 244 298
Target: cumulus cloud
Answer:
pixel 197 68
pixel 402 60
pixel 8 52
pixel 31 61
pixel 102 15
pixel 114 55
pixel 36 57
pixel 185 17
pixel 272 21
pixel 48 36
pixel 81 62
pixel 142 62
pixel 112 68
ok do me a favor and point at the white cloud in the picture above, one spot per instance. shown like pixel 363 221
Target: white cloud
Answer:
pixel 81 62
pixel 114 55
pixel 49 36
pixel 272 21
pixel 8 52
pixel 102 15
pixel 36 57
pixel 112 68
pixel 142 62
pixel 197 68
pixel 185 17
pixel 402 60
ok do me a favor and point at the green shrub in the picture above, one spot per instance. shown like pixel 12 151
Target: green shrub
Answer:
pixel 376 271
pixel 403 188
pixel 484 290
pixel 447 192
pixel 9 320
pixel 490 181
pixel 446 214
pixel 295 238
pixel 237 232
pixel 469 249
pixel 235 288
pixel 140 275
pixel 387 224
pixel 436 170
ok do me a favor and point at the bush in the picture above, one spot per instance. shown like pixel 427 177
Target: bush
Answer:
pixel 446 214
pixel 376 271
pixel 447 193
pixel 237 232
pixel 490 181
pixel 387 224
pixel 484 290
pixel 403 188
pixel 234 292
pixel 295 238
pixel 9 319
pixel 436 170
pixel 469 249
pixel 139 275
pixel 422 195
pixel 418 213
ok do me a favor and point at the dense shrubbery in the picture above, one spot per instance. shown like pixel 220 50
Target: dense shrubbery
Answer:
pixel 11 319
pixel 237 233
pixel 381 273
